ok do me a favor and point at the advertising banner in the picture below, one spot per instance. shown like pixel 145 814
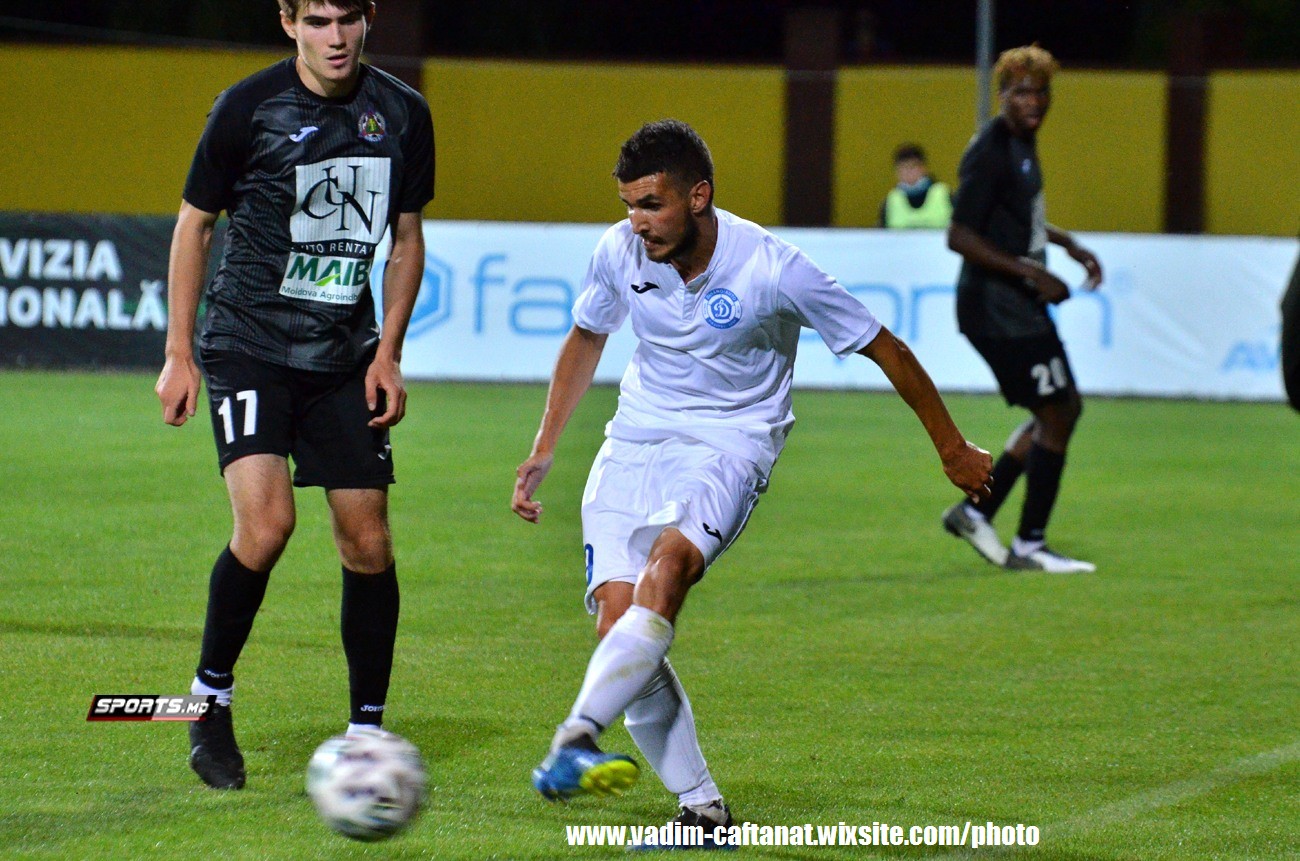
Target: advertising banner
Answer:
pixel 1178 316
pixel 83 290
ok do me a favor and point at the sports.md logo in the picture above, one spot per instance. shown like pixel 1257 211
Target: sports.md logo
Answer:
pixel 432 305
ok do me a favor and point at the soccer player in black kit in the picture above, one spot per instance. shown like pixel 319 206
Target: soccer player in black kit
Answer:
pixel 999 227
pixel 312 159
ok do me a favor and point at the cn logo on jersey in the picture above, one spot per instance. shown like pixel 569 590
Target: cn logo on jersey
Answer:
pixel 340 215
pixel 721 308
pixel 341 198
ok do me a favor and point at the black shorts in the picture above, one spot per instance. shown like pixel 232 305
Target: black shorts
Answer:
pixel 1030 371
pixel 318 418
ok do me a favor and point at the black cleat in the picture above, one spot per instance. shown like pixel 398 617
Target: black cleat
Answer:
pixel 693 828
pixel 214 755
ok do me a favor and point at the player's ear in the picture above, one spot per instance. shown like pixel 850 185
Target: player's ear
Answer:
pixel 371 8
pixel 290 26
pixel 701 196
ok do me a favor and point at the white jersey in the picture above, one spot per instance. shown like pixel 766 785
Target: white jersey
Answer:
pixel 715 357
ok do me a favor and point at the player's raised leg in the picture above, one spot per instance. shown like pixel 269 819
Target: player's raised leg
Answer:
pixel 261 497
pixel 662 724
pixel 628 656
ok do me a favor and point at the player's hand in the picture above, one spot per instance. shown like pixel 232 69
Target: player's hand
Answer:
pixel 385 376
pixel 1090 263
pixel 970 468
pixel 178 389
pixel 528 476
pixel 1051 289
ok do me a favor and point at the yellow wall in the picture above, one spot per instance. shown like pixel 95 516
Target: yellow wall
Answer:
pixel 1252 181
pixel 537 142
pixel 1103 151
pixel 106 129
pixel 876 110
pixel 1104 165
pixel 113 130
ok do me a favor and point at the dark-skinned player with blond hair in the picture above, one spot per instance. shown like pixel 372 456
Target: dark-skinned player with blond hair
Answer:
pixel 1000 228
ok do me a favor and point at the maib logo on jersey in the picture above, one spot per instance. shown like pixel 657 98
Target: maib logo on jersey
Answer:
pixel 340 216
pixel 721 308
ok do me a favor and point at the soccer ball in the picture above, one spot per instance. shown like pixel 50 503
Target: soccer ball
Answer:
pixel 368 786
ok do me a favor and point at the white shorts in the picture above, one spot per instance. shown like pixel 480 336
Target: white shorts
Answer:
pixel 635 490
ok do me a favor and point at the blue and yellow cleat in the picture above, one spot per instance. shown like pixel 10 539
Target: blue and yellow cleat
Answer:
pixel 582 768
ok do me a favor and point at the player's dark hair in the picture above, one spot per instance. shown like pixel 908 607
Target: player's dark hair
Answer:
pixel 909 152
pixel 666 146
pixel 293 8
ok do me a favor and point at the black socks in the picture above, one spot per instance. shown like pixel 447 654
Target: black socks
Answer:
pixel 1005 472
pixel 234 595
pixel 1043 470
pixel 368 620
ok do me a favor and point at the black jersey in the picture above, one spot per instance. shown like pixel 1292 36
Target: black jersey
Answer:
pixel 1000 197
pixel 310 185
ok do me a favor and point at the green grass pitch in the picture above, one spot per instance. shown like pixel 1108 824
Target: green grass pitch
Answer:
pixel 847 660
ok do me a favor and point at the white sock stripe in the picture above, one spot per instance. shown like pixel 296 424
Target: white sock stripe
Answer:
pixel 200 688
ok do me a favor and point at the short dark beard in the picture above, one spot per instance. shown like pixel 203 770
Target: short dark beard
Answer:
pixel 687 243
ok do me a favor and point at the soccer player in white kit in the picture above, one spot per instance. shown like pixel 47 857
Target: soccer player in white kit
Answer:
pixel 717 304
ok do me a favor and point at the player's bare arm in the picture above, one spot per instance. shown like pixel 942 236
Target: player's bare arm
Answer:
pixel 1082 255
pixel 967 465
pixel 574 369
pixel 984 254
pixel 402 278
pixel 187 265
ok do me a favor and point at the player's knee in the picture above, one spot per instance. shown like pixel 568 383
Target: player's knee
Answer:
pixel 365 550
pixel 268 533
pixel 670 571
pixel 665 582
pixel 367 558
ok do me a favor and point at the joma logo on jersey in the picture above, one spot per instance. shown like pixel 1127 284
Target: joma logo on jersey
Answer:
pixel 341 198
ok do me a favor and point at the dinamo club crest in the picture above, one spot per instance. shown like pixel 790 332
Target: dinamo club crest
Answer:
pixel 371 127
pixel 721 308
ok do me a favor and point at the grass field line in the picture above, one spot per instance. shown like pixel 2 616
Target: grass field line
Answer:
pixel 1152 799
pixel 1178 791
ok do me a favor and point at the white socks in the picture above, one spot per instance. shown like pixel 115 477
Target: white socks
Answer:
pixel 662 724
pixel 199 689
pixel 619 669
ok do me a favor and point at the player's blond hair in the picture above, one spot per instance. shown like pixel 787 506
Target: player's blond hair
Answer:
pixel 1025 60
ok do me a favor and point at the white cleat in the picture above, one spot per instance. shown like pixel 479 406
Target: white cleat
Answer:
pixel 975 531
pixel 1046 560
